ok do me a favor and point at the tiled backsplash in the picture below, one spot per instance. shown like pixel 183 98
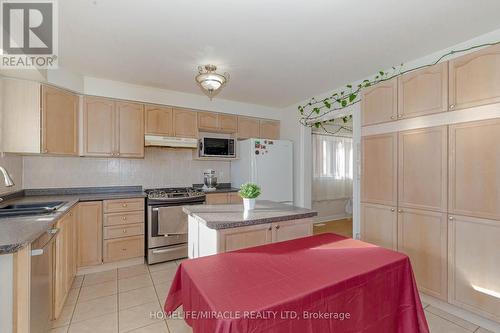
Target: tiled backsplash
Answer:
pixel 14 166
pixel 160 167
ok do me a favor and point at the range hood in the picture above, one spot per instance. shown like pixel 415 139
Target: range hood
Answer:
pixel 168 141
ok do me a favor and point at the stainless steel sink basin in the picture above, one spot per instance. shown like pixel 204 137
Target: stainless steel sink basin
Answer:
pixel 34 208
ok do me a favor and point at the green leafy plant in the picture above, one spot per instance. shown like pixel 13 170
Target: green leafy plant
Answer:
pixel 318 112
pixel 249 191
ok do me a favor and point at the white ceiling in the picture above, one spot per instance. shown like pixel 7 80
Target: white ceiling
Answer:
pixel 277 52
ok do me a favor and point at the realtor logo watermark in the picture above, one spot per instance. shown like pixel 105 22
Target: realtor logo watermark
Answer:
pixel 29 34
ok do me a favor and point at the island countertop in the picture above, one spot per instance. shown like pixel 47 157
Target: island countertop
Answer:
pixel 232 216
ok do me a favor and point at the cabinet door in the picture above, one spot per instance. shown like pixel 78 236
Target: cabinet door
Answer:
pixel 208 120
pixel 248 128
pixel 59 121
pixel 283 231
pixel 130 129
pixel 379 225
pixel 475 79
pixel 423 92
pixel 423 166
pixel 473 265
pixel 99 124
pixel 244 237
pixel 379 103
pixel 123 248
pixel 159 120
pixel 217 199
pixel 423 235
pixel 475 169
pixel 228 123
pixel 60 266
pixel 185 123
pixel 270 129
pixel 89 233
pixel 235 198
pixel 379 169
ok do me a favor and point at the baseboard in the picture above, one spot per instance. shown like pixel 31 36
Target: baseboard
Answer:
pixel 461 313
pixel 321 219
pixel 110 265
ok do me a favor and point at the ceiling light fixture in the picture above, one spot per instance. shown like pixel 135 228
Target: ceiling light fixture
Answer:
pixel 211 82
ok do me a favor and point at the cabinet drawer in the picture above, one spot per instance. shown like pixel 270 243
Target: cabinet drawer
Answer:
pixel 123 205
pixel 123 218
pixel 120 231
pixel 217 199
pixel 123 248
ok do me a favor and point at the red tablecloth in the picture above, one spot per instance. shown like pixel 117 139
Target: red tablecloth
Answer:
pixel 286 286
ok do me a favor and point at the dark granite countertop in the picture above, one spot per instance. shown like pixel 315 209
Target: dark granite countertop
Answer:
pixel 17 232
pixel 232 216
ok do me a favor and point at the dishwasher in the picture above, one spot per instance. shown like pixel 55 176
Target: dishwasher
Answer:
pixel 42 261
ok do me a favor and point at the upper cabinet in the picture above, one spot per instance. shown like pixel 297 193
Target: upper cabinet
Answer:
pixel 59 121
pixel 130 129
pixel 423 166
pixel 217 122
pixel 475 79
pixel 423 92
pixel 248 127
pixel 112 128
pixel 185 123
pixel 270 129
pixel 159 120
pixel 379 103
pixel 379 169
pixel 474 169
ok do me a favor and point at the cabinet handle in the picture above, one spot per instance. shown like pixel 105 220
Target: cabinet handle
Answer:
pixel 124 231
pixel 124 205
pixel 452 106
pixel 270 228
pixel 277 227
pixel 45 150
pixel 124 218
pixel 400 210
pixel 393 210
pixel 451 218
pixel 400 115
pixel 392 117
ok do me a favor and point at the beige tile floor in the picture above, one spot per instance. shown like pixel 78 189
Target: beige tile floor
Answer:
pixel 121 300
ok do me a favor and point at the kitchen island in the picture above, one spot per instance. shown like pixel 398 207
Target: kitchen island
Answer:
pixel 216 229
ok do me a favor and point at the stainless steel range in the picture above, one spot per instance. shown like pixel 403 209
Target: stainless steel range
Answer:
pixel 167 223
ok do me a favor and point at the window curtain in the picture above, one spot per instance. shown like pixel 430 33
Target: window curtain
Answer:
pixel 332 167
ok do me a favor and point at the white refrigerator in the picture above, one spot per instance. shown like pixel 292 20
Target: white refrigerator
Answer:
pixel 269 164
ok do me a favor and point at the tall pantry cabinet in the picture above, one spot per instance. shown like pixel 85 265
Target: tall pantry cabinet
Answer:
pixel 447 206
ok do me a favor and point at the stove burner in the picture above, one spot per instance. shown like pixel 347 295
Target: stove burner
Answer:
pixel 177 194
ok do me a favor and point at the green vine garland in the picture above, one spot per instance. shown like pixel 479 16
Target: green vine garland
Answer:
pixel 313 113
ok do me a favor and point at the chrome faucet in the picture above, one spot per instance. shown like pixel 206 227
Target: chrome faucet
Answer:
pixel 8 182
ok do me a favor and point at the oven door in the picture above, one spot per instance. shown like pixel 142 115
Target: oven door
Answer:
pixel 166 226
pixel 217 147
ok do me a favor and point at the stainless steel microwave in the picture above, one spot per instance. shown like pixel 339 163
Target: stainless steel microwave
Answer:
pixel 217 147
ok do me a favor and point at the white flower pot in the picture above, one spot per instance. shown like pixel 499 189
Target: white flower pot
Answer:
pixel 248 204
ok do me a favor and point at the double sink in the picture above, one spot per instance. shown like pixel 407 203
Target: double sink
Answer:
pixel 25 209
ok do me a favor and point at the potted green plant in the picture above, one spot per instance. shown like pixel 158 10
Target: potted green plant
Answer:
pixel 249 191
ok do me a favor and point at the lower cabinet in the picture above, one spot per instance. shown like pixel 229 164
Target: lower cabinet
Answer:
pixel 65 261
pixel 422 235
pixel 474 265
pixel 223 198
pixel 89 233
pixel 123 248
pixel 379 225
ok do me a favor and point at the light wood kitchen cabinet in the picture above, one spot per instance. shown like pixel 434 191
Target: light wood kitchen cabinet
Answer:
pixel 379 225
pixel 234 198
pixel 423 92
pixel 208 121
pixel 99 127
pixel 269 129
pixel 130 129
pixel 89 233
pixel 185 123
pixel 473 265
pixel 159 120
pixel 123 205
pixel 248 127
pixel 283 231
pixel 474 169
pixel 423 168
pixel 64 260
pixel 422 235
pixel 20 105
pixel 228 123
pixel 123 248
pixel 59 121
pixel 216 199
pixel 475 79
pixel 379 104
pixel 241 238
pixel 379 169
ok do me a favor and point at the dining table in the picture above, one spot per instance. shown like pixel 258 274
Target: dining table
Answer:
pixel 321 283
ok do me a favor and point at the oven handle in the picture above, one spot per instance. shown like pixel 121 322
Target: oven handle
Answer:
pixel 179 234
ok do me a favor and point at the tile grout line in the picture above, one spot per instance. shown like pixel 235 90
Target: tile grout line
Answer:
pixel 448 320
